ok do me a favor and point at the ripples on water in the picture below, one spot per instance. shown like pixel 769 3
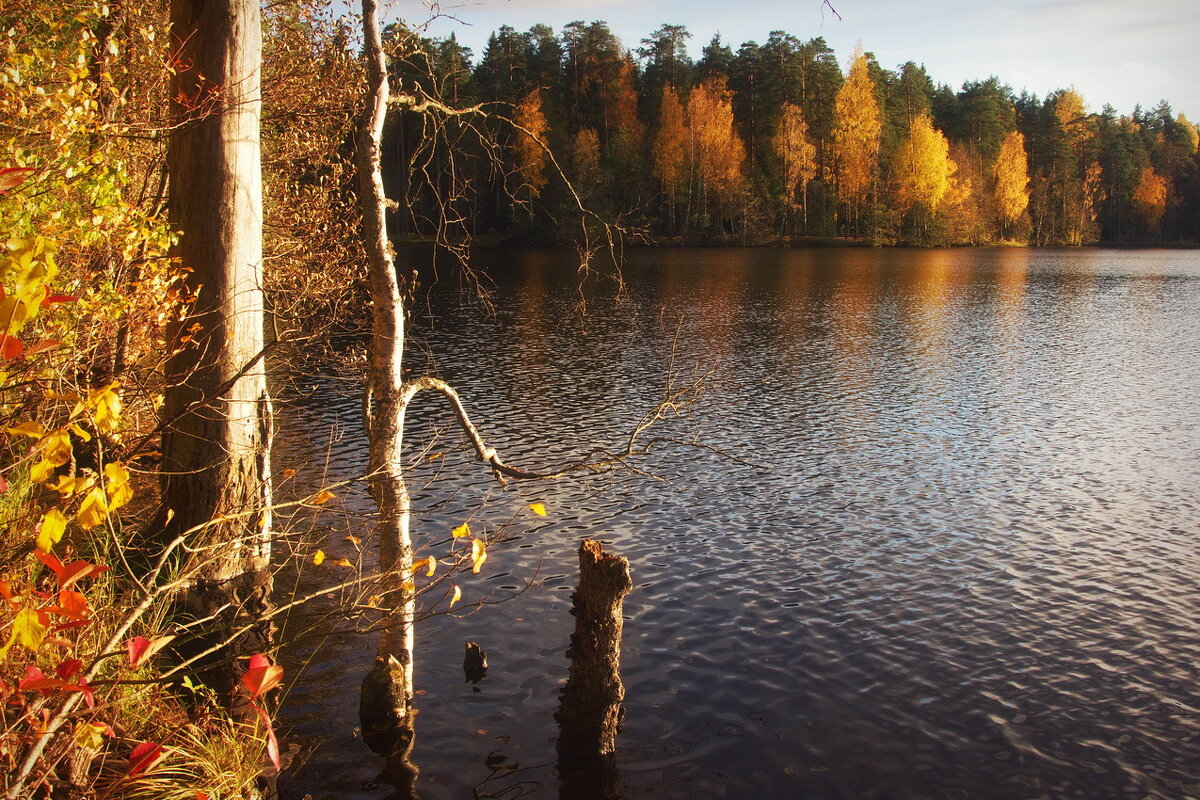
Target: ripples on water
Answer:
pixel 947 548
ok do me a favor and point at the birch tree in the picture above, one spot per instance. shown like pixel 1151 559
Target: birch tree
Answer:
pixel 857 128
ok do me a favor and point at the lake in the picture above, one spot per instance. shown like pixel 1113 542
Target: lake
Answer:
pixel 929 532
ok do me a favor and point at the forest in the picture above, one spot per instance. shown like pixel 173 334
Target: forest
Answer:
pixel 778 142
pixel 177 221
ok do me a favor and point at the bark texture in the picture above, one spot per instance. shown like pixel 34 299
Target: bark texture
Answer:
pixel 591 711
pixel 216 467
pixel 384 408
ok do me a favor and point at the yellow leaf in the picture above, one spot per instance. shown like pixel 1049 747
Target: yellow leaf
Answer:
pixel 354 540
pixel 42 471
pixel 478 555
pixel 34 430
pixel 92 510
pixel 538 508
pixel 56 447
pixel 89 736
pixel 432 566
pixel 67 486
pixel 343 562
pixel 417 566
pixel 117 485
pixel 28 629
pixel 287 473
pixel 318 557
pixel 462 531
pixel 434 456
pixel 454 598
pixel 322 497
pixel 408 586
pixel 51 530
pixel 373 601
pixel 81 433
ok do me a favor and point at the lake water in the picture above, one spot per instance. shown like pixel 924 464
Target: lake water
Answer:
pixel 931 532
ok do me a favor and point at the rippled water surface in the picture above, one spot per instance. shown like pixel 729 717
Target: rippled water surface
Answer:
pixel 939 539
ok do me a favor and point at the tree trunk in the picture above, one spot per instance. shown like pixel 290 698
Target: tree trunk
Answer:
pixel 384 407
pixel 216 483
pixel 591 711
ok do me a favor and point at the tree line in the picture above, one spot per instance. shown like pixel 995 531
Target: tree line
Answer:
pixel 776 142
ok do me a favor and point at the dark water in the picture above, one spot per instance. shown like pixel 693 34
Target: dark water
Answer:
pixel 940 540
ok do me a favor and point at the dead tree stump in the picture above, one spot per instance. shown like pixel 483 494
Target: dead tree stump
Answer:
pixel 591 710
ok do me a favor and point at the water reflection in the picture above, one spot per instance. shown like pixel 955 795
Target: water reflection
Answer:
pixel 956 557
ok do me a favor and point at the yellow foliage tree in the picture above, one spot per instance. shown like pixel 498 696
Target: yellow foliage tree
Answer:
pixel 1150 197
pixel 798 154
pixel 857 128
pixel 529 153
pixel 1011 171
pixel 717 152
pixel 923 166
pixel 669 144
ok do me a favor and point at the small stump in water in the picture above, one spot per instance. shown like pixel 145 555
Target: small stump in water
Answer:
pixel 591 711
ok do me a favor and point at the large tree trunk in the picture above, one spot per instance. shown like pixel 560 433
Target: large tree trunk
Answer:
pixel 216 482
pixel 390 686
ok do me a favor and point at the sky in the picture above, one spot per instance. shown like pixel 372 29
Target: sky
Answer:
pixel 1121 52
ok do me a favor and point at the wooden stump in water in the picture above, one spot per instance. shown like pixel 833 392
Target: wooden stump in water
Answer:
pixel 591 711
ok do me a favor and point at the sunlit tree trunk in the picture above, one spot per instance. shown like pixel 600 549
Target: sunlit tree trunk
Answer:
pixel 384 407
pixel 216 471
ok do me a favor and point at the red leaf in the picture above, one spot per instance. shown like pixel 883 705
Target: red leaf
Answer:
pixel 261 677
pixel 58 298
pixel 68 668
pixel 36 681
pixel 10 346
pixel 12 177
pixel 78 570
pixel 3 485
pixel 142 649
pixel 144 757
pixel 6 593
pixel 71 604
pixel 51 561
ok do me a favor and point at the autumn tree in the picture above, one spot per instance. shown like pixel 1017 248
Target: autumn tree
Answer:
pixel 529 152
pixel 797 154
pixel 669 151
pixel 856 137
pixel 922 170
pixel 1150 198
pixel 1011 172
pixel 717 153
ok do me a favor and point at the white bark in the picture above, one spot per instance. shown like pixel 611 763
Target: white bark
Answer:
pixel 384 407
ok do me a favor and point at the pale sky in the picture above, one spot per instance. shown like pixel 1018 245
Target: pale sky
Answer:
pixel 1121 52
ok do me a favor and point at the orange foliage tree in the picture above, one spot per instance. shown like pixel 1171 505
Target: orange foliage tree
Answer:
pixel 1150 197
pixel 857 129
pixel 717 153
pixel 528 150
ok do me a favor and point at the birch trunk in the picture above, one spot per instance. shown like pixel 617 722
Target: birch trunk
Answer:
pixel 388 690
pixel 216 469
